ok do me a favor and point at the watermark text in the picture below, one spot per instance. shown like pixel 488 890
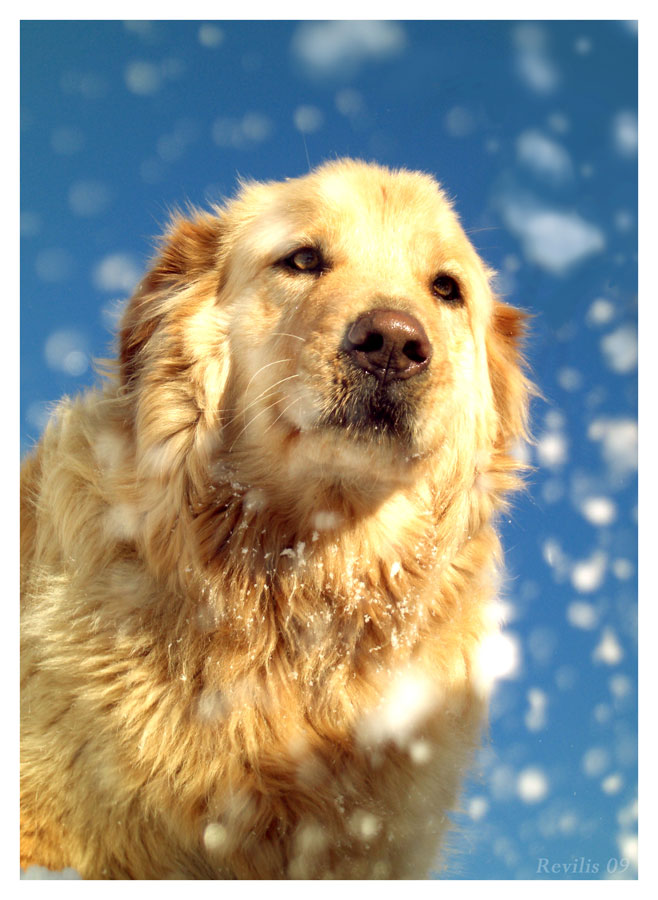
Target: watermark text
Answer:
pixel 581 865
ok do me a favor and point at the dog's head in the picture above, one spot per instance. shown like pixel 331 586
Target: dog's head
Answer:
pixel 337 328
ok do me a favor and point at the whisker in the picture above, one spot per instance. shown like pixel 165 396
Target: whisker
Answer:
pixel 271 388
pixel 283 412
pixel 237 409
pixel 287 334
pixel 251 422
pixel 268 390
pixel 262 369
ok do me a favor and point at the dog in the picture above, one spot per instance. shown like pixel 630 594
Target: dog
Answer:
pixel 259 563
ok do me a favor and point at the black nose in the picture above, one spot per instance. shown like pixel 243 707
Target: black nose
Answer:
pixel 388 343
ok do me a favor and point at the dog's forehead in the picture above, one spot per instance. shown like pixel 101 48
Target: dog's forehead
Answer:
pixel 376 187
pixel 344 206
pixel 371 196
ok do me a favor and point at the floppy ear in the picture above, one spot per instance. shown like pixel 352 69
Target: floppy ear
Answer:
pixel 507 370
pixel 188 252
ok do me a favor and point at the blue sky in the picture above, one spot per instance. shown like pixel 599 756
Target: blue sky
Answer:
pixel 532 128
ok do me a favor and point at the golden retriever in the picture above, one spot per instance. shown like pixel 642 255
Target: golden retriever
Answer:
pixel 258 565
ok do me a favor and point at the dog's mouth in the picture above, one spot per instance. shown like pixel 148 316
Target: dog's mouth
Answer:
pixel 367 406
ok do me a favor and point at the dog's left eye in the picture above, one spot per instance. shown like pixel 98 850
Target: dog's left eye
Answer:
pixel 305 260
pixel 447 289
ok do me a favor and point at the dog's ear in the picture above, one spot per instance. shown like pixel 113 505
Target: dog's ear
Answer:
pixel 507 370
pixel 188 254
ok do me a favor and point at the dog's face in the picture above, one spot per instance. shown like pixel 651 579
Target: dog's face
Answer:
pixel 337 327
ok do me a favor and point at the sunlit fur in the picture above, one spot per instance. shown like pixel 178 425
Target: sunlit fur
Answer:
pixel 250 638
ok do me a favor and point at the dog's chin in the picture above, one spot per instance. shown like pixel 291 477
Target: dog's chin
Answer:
pixel 377 421
pixel 364 411
pixel 369 410
pixel 364 437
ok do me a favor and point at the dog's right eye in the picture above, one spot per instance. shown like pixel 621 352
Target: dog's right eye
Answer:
pixel 305 260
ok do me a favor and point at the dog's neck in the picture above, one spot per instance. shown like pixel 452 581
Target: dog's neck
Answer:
pixel 356 559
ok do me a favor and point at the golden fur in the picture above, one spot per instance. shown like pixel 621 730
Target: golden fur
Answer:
pixel 250 628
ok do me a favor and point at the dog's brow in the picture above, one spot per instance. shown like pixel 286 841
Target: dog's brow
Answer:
pixel 451 266
pixel 269 235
